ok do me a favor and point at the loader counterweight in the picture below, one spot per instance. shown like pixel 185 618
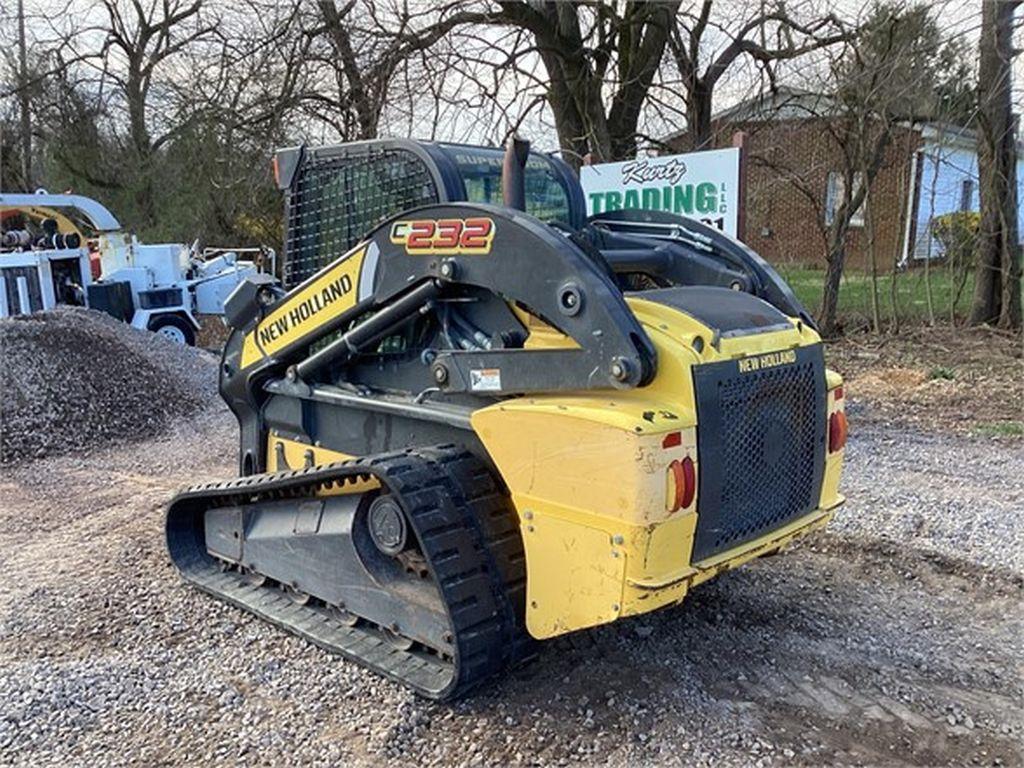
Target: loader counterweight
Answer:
pixel 590 475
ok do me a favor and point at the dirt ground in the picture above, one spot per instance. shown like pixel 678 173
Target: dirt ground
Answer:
pixel 961 380
pixel 850 649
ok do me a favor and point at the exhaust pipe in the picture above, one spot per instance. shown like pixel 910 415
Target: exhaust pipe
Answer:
pixel 513 173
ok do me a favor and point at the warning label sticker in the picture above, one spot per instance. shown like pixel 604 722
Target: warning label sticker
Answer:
pixel 485 379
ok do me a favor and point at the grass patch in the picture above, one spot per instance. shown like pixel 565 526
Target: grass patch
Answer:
pixel 1001 429
pixel 911 293
pixel 941 372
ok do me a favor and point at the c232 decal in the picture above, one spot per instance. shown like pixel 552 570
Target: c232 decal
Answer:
pixel 444 236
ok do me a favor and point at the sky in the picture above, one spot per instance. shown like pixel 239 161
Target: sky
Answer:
pixel 488 120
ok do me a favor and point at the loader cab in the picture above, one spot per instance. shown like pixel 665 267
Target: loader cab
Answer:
pixel 336 195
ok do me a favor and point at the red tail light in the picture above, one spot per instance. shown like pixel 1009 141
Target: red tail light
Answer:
pixel 684 482
pixel 689 484
pixel 837 393
pixel 837 429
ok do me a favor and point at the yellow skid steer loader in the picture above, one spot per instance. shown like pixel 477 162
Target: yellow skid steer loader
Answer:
pixel 473 417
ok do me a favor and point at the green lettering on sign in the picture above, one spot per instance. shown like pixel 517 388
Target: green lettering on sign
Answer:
pixel 686 199
pixel 707 198
pixel 682 199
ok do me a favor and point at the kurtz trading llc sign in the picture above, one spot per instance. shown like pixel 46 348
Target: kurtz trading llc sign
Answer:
pixel 702 185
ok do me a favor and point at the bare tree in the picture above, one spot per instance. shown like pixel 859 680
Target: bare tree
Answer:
pixel 24 99
pixel 892 74
pixel 358 48
pixel 169 112
pixel 600 59
pixel 140 42
pixel 20 86
pixel 243 107
pixel 746 36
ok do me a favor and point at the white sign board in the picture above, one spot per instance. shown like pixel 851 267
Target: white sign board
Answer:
pixel 701 185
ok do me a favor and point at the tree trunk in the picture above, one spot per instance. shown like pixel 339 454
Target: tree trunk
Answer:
pixel 642 41
pixel 833 275
pixel 869 233
pixel 1010 301
pixel 894 327
pixel 698 115
pixel 906 201
pixel 870 156
pixel 997 249
pixel 929 302
pixel 585 120
pixel 366 107
pixel 590 105
pixel 24 104
pixel 568 123
pixel 987 280
pixel 142 147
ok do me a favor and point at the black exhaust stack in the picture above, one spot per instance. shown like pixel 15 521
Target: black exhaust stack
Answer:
pixel 513 173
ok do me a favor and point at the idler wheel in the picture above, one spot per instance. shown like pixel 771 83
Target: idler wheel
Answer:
pixel 397 639
pixel 387 525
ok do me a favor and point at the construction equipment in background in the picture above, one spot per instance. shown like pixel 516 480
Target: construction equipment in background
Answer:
pixel 69 249
pixel 467 426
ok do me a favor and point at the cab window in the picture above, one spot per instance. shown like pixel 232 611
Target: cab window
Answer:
pixel 546 197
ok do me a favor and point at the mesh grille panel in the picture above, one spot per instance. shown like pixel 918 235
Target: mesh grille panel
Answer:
pixel 338 200
pixel 761 446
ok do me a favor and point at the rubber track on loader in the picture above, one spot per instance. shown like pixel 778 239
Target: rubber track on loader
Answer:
pixel 469 537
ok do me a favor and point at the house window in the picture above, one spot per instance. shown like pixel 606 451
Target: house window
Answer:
pixel 966 194
pixel 834 194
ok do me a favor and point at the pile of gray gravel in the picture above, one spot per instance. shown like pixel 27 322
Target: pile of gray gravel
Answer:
pixel 72 380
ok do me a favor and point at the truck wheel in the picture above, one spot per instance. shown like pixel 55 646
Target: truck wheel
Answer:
pixel 174 328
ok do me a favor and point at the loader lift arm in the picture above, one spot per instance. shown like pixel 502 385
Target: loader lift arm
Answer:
pixel 408 268
pixel 685 251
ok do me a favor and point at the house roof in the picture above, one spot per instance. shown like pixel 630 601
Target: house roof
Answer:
pixel 783 103
pixel 788 103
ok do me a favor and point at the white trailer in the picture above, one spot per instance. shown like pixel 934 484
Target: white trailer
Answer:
pixel 156 287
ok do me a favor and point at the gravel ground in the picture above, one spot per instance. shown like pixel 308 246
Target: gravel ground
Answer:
pixel 76 380
pixel 894 638
pixel 970 507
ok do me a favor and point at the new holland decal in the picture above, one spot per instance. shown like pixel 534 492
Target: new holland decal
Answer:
pixel 335 290
pixel 326 296
pixel 770 360
pixel 444 236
